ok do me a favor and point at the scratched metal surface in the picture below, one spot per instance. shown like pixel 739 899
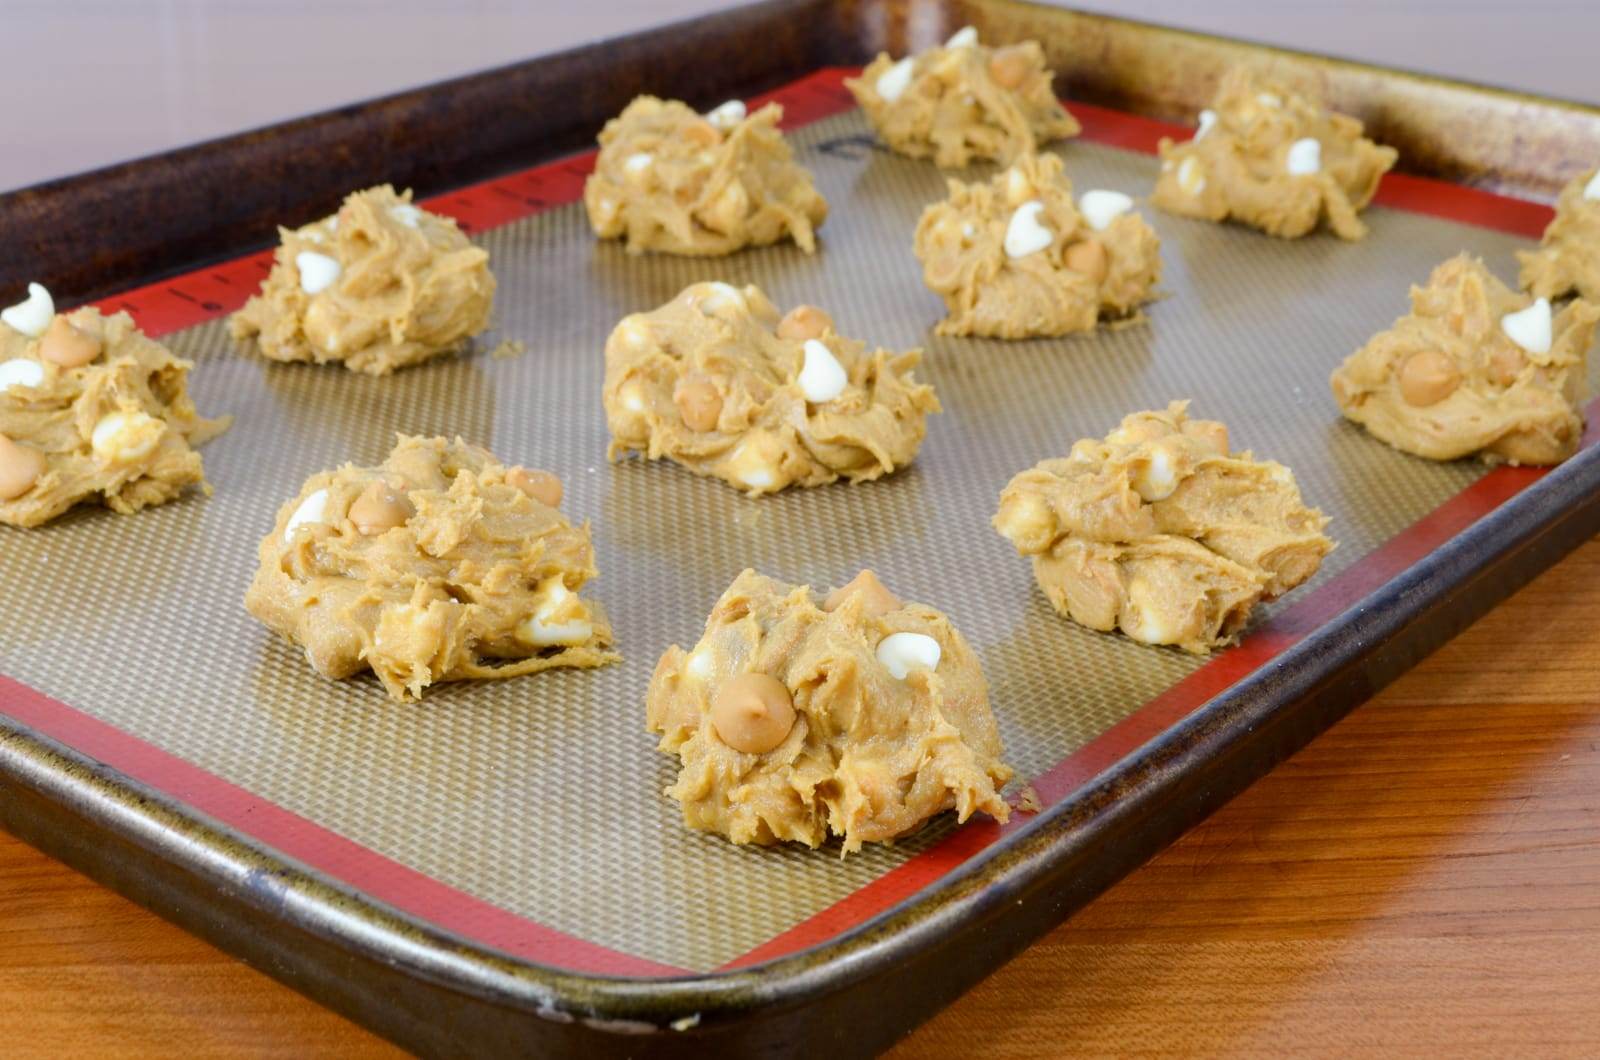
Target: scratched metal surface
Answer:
pixel 543 795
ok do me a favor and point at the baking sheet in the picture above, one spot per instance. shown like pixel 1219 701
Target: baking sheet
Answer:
pixel 541 795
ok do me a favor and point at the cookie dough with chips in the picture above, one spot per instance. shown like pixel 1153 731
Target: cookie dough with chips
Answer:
pixel 383 284
pixel 1272 159
pixel 440 564
pixel 1568 258
pixel 91 410
pixel 717 381
pixel 1015 257
pixel 964 101
pixel 858 715
pixel 670 180
pixel 1474 368
pixel 1163 532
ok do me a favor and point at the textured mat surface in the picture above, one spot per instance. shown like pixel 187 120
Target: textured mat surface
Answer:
pixel 542 795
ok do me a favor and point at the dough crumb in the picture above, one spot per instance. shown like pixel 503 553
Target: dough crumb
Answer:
pixel 506 349
pixel 1163 532
pixel 1568 258
pixel 670 180
pixel 1272 159
pixel 1028 801
pixel 850 744
pixel 440 564
pixel 1015 257
pixel 964 101
pixel 1473 368
pixel 93 411
pixel 717 381
pixel 380 285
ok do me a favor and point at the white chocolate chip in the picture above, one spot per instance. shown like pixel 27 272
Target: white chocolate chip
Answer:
pixel 750 469
pixel 968 230
pixel 965 37
pixel 1268 99
pixel 1147 623
pixel 1157 477
pixel 722 298
pixel 632 398
pixel 1190 178
pixel 311 234
pixel 1100 207
pixel 1529 328
pixel 1025 234
pixel 637 166
pixel 901 653
pixel 727 115
pixel 317 271
pixel 31 317
pixel 20 372
pixel 822 377
pixel 542 628
pixel 634 332
pixel 699 664
pixel 606 210
pixel 333 223
pixel 1208 118
pixel 312 510
pixel 895 80
pixel 1304 157
pixel 406 214
pixel 1018 188
pixel 123 437
pixel 1591 190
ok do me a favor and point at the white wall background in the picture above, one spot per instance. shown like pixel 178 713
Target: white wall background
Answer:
pixel 88 82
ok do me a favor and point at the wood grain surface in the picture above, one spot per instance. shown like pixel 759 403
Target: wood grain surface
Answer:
pixel 1424 879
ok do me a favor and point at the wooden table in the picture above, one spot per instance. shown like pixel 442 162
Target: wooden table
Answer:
pixel 1425 879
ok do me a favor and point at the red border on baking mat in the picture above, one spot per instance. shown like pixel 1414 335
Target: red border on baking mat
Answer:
pixel 211 292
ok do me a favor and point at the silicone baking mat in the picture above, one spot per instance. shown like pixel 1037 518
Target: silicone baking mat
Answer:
pixel 527 814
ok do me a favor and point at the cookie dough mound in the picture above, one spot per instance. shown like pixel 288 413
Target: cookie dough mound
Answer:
pixel 1473 368
pixel 91 409
pixel 1015 258
pixel 1568 258
pixel 1160 531
pixel 964 101
pixel 862 718
pixel 1272 159
pixel 380 285
pixel 670 180
pixel 440 564
pixel 715 381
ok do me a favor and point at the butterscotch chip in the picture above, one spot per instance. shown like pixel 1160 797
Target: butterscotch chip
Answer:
pixel 752 713
pixel 20 468
pixel 1272 159
pixel 668 180
pixel 382 285
pixel 710 382
pixel 479 581
pixel 118 429
pixel 67 345
pixel 1014 257
pixel 1159 531
pixel 1474 368
pixel 542 486
pixel 876 599
pixel 804 322
pixel 960 103
pixel 867 755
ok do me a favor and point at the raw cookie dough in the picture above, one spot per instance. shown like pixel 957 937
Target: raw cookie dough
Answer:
pixel 669 180
pixel 1273 159
pixel 1473 368
pixel 440 564
pixel 380 285
pixel 964 101
pixel 862 718
pixel 1015 258
pixel 91 410
pixel 1568 258
pixel 1161 532
pixel 715 381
